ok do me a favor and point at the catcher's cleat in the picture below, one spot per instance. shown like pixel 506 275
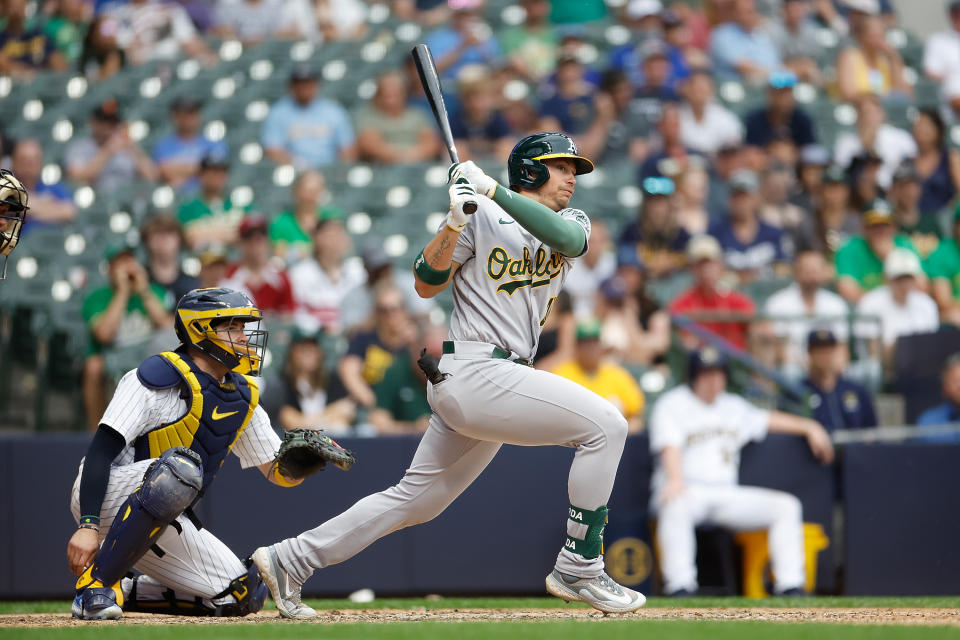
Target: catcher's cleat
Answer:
pixel 285 591
pixel 601 593
pixel 96 603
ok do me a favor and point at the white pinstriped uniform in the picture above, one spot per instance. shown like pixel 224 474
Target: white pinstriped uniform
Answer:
pixel 194 562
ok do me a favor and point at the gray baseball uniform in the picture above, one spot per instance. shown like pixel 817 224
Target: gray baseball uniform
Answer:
pixel 502 293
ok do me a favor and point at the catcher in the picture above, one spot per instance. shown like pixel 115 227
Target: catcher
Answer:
pixel 13 213
pixel 164 436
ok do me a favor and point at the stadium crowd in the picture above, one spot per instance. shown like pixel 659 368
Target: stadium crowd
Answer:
pixel 813 250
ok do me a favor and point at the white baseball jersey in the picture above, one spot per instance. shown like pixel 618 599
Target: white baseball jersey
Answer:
pixel 135 410
pixel 507 281
pixel 709 436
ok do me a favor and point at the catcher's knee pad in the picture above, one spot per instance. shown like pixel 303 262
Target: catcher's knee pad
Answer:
pixel 169 486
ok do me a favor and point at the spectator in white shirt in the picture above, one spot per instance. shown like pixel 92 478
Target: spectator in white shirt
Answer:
pixel 804 306
pixel 596 265
pixel 253 21
pixel 941 53
pixel 706 125
pixel 155 31
pixel 893 145
pixel 903 309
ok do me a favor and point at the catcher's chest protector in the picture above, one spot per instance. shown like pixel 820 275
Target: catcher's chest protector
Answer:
pixel 216 413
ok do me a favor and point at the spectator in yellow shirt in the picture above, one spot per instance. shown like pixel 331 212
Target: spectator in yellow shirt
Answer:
pixel 604 377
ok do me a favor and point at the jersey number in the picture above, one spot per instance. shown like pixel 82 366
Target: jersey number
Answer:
pixel 550 302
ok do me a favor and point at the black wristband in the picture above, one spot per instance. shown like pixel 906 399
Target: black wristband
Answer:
pixel 94 520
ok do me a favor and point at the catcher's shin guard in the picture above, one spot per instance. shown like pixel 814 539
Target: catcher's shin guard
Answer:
pixel 248 591
pixel 169 486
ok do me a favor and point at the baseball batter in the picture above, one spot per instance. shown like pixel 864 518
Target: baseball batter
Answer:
pixel 161 441
pixel 696 433
pixel 506 265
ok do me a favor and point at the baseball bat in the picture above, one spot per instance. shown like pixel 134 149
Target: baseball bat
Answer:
pixel 427 69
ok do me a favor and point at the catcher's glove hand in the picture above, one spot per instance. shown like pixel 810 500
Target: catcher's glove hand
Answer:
pixel 304 452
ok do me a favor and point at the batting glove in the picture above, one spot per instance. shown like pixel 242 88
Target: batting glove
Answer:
pixel 460 194
pixel 474 175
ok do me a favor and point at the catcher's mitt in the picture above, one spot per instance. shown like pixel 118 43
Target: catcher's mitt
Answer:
pixel 304 452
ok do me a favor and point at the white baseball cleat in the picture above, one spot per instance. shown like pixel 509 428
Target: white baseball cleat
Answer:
pixel 601 593
pixel 285 591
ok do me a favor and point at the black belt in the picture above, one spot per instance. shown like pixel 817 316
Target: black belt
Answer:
pixel 497 352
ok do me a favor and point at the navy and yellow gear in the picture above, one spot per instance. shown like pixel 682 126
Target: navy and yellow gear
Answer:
pixel 525 165
pixel 247 590
pixel 13 213
pixel 170 485
pixel 217 412
pixel 200 317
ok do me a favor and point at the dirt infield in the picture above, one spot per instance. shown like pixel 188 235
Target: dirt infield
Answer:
pixel 884 616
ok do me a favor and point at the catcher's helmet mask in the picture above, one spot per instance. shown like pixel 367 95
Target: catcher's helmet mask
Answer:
pixel 200 320
pixel 13 214
pixel 525 166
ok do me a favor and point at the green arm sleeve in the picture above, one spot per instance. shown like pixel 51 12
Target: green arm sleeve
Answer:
pixel 560 234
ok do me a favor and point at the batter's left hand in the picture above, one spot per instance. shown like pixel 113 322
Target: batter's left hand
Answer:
pixel 474 175
pixel 820 443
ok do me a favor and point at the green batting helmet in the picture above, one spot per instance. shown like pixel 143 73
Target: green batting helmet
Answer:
pixel 525 166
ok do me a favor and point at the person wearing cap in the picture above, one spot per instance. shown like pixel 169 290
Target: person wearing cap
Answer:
pixel 834 401
pixel 162 238
pixel 467 40
pixel 291 232
pixel 655 235
pixel 253 21
pixel 892 144
pixel 570 107
pixel 121 313
pixel 923 229
pixel 50 204
pixel 322 281
pixel 25 48
pixel 709 296
pixel 532 46
pixel 780 116
pixel 705 124
pixel 741 49
pixel 591 368
pixel 255 274
pixel 803 306
pixel 900 304
pixel 302 390
pixel 211 217
pixel 870 64
pixel 108 159
pixel 797 40
pixel 943 267
pixel 479 128
pixel 390 131
pixel 751 248
pixel 941 50
pixel 307 130
pixel 657 83
pixel 860 261
pixel 178 155
pixel 697 430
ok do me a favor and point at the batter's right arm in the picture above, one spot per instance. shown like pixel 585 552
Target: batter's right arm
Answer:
pixel 434 267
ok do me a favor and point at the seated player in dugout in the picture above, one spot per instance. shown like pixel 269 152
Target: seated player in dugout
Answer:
pixel 159 446
pixel 505 263
pixel 696 432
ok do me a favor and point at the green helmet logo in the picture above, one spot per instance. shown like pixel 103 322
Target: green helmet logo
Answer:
pixel 525 164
